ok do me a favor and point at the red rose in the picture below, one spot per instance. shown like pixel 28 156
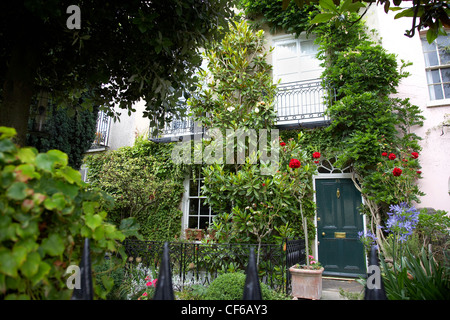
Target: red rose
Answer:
pixel 282 143
pixel 418 172
pixel 316 155
pixel 294 163
pixel 415 155
pixel 384 154
pixel 263 184
pixel 316 161
pixel 392 156
pixel 397 172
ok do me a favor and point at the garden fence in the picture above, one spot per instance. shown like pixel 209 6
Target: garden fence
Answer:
pixel 202 263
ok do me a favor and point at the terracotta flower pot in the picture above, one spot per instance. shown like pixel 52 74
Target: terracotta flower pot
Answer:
pixel 306 283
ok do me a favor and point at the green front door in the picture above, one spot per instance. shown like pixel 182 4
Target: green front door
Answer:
pixel 338 222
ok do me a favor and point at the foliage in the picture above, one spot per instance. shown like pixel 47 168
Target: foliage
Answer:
pixel 166 37
pixel 72 135
pixel 230 286
pixel 290 20
pixel 112 269
pixel 236 90
pixel 432 15
pixel 417 277
pixel 144 183
pixel 46 213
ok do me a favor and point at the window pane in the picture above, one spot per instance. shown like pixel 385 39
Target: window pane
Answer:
pixel 193 188
pixel 447 90
pixel 431 59
pixel 287 50
pixel 433 76
pixel 445 74
pixel 443 43
pixel 193 206
pixel 444 55
pixel 204 222
pixel 308 47
pixel 436 92
pixel 193 223
pixel 204 208
pixel 428 46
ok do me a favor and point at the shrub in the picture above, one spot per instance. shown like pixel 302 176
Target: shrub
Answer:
pixel 144 183
pixel 230 286
pixel 46 213
pixel 417 277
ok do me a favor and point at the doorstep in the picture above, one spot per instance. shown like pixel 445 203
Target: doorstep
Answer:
pixel 331 287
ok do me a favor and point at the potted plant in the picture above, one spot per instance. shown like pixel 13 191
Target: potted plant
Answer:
pixel 194 234
pixel 306 280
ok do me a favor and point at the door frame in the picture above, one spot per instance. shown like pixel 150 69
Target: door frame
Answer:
pixel 320 176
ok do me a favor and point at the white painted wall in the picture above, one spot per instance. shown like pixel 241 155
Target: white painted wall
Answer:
pixel 124 132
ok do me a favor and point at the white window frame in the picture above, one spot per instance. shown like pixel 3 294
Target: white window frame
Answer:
pixel 433 101
pixel 187 198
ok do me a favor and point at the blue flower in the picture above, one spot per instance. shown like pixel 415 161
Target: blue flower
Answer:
pixel 402 220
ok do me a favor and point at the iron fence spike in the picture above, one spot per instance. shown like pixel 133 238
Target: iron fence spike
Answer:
pixel 377 291
pixel 164 288
pixel 85 292
pixel 252 288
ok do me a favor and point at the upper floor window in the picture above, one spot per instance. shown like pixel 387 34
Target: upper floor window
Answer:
pixel 295 59
pixel 437 67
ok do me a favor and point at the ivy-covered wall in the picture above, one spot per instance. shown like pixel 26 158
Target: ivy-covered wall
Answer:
pixel 144 183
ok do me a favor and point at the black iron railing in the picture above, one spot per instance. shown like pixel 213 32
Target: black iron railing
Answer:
pixel 302 102
pixel 202 263
pixel 102 131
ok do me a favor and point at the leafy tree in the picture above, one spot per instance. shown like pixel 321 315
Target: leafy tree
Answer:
pixel 123 51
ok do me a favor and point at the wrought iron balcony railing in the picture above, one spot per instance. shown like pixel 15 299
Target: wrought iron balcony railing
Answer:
pixel 302 103
pixel 102 132
pixel 297 103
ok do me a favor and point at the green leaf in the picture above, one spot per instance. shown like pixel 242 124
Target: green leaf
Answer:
pixel 53 245
pixel 322 17
pixel 27 155
pixel 130 227
pixel 93 221
pixel 44 269
pixel 17 191
pixel 431 35
pixel 6 133
pixel 8 265
pixel 70 174
pixel 329 5
pixel 44 162
pixel 31 264
pixel 57 201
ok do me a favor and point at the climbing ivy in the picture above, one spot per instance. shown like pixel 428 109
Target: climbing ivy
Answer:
pixel 144 183
pixel 291 20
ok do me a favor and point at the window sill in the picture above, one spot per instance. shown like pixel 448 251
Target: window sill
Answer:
pixel 438 103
